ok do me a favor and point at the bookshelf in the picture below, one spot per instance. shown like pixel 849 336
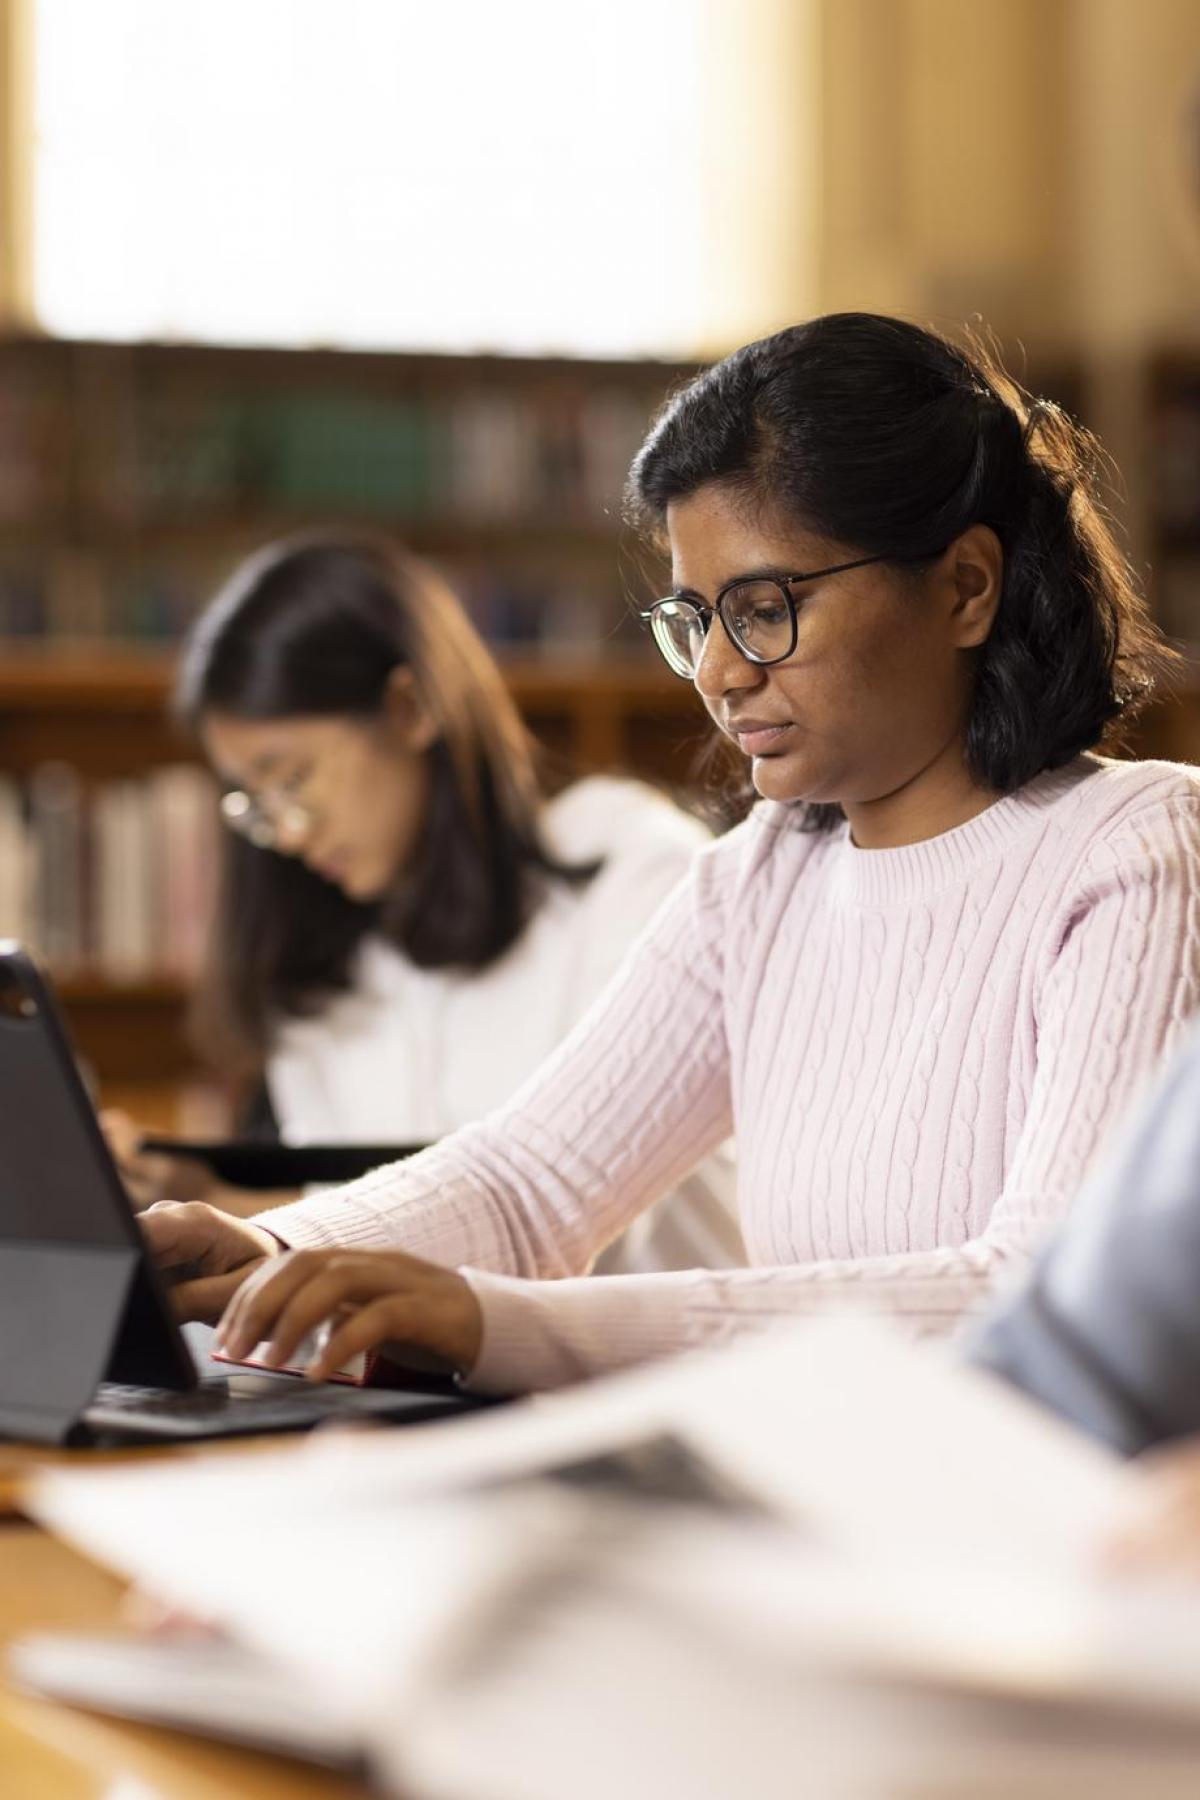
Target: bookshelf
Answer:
pixel 105 711
pixel 134 477
pixel 104 714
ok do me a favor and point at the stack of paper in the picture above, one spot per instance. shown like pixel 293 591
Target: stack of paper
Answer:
pixel 891 1516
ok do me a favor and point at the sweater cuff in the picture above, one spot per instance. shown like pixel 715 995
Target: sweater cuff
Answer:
pixel 312 1223
pixel 544 1334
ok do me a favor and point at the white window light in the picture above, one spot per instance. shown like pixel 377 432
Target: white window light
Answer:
pixel 620 177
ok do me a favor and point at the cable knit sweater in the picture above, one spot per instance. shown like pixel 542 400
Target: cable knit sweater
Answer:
pixel 919 1049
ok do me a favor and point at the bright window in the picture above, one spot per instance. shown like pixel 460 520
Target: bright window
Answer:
pixel 585 176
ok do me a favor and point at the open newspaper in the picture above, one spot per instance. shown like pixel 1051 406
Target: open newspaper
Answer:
pixel 821 1504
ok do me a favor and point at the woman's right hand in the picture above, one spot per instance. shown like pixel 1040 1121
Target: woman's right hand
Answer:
pixel 204 1254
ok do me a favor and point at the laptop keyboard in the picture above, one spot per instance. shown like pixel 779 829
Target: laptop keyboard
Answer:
pixel 196 1403
pixel 216 1408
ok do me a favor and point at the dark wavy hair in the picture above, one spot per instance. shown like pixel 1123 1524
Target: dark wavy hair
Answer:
pixel 892 441
pixel 316 625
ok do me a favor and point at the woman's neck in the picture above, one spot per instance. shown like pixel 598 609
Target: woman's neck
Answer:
pixel 940 797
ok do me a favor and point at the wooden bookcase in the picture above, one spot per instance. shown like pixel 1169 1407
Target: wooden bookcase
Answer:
pixel 106 714
pixel 134 477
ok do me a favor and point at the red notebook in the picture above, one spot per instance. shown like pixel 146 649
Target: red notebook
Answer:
pixel 358 1372
pixel 420 1369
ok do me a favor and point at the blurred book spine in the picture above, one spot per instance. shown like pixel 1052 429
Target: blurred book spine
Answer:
pixel 16 864
pixel 56 826
pixel 112 880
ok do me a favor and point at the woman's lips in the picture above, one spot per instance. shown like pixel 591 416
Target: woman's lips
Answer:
pixel 759 739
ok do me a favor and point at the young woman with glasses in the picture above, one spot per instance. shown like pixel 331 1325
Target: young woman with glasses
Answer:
pixel 406 925
pixel 918 981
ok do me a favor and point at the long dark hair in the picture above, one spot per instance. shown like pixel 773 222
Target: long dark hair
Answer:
pixel 316 625
pixel 890 439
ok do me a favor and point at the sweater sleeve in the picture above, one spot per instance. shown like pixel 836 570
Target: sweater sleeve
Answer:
pixel 1120 976
pixel 630 1101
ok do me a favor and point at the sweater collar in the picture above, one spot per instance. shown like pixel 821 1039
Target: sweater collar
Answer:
pixel 889 877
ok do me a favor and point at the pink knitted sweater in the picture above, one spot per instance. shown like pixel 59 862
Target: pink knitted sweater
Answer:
pixel 919 1050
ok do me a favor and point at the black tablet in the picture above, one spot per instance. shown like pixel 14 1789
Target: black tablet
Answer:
pixel 249 1163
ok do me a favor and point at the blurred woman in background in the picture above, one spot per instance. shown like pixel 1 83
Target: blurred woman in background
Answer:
pixel 407 926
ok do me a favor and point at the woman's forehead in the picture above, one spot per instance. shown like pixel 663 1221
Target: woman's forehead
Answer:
pixel 257 746
pixel 715 536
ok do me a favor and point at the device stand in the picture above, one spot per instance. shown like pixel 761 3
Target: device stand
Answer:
pixel 62 1309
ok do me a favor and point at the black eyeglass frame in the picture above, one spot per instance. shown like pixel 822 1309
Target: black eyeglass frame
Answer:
pixel 784 583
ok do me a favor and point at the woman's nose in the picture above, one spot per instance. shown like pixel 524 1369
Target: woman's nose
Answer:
pixel 292 827
pixel 722 669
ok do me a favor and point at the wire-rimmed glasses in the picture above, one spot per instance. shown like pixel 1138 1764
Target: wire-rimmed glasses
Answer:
pixel 758 613
pixel 282 814
pixel 265 819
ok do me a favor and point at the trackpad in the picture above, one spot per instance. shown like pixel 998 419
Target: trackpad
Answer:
pixel 199 1340
pixel 239 1384
pixel 246 1385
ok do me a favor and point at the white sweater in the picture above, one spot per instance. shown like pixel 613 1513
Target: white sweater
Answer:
pixel 409 1055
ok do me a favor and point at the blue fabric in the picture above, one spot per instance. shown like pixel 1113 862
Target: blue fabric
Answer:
pixel 1106 1331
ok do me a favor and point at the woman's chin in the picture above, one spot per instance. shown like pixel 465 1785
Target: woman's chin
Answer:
pixel 778 778
pixel 355 884
pixel 364 892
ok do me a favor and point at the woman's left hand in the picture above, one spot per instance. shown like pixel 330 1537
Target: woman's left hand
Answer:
pixel 370 1297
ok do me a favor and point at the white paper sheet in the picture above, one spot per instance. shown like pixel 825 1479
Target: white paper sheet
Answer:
pixel 922 1518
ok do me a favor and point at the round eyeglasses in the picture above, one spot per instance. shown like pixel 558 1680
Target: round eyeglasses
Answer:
pixel 758 614
pixel 264 820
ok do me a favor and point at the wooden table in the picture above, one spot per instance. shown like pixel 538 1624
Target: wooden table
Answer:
pixel 52 1752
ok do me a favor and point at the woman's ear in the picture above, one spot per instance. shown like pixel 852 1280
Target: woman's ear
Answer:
pixel 975 566
pixel 406 714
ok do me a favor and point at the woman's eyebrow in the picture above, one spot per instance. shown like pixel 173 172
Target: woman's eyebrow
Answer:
pixel 264 764
pixel 777 572
pixel 771 572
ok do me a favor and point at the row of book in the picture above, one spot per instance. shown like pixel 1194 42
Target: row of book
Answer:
pixel 69 595
pixel 35 456
pixel 552 451
pixel 550 454
pixel 113 879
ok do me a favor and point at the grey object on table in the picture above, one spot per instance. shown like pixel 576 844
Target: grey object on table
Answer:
pixel 1106 1331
